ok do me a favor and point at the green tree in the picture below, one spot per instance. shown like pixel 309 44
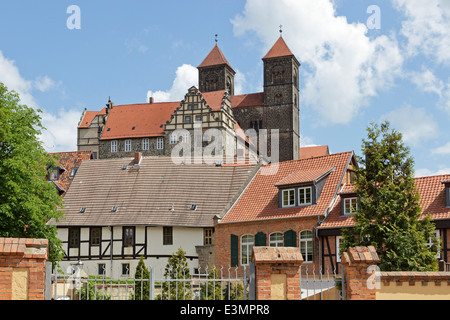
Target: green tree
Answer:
pixel 388 205
pixel 142 281
pixel 178 284
pixel 27 200
pixel 211 289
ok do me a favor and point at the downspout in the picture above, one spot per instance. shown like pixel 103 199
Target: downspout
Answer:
pixel 111 251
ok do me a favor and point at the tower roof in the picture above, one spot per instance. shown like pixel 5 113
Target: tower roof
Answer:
pixel 279 49
pixel 215 58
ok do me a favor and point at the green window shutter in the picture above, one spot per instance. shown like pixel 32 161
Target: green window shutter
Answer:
pixel 260 239
pixel 290 238
pixel 234 250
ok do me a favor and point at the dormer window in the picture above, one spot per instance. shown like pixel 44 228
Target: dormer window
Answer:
pixel 305 196
pixel 288 198
pixel 53 174
pixel 350 206
pixel 447 193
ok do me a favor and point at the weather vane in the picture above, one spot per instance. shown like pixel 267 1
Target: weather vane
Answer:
pixel 216 37
pixel 281 29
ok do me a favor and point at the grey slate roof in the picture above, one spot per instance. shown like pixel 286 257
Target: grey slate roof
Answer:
pixel 145 195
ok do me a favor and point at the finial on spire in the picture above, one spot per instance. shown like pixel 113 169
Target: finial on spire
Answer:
pixel 217 38
pixel 281 30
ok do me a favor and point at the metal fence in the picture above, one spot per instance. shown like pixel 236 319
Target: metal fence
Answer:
pixel 209 284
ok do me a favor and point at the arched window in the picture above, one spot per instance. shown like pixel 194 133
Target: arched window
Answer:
pixel 211 82
pixel 278 98
pixel 247 242
pixel 278 74
pixel 276 239
pixel 306 245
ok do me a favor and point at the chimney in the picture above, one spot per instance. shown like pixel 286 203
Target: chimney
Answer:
pixel 150 100
pixel 137 158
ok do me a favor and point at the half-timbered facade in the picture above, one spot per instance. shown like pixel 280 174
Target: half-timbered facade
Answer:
pixel 118 210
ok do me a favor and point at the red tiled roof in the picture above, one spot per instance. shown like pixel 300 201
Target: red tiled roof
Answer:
pixel 89 116
pixel 432 201
pixel 214 58
pixel 248 100
pixel 68 161
pixel 316 151
pixel 260 200
pixel 279 49
pixel 147 119
pixel 214 99
pixel 302 176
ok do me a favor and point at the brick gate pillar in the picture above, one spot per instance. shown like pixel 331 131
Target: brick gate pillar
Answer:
pixel 359 272
pixel 22 268
pixel 277 273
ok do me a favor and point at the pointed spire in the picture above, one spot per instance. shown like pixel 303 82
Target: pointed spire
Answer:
pixel 279 49
pixel 215 58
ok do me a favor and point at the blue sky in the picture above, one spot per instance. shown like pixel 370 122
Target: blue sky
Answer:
pixel 351 74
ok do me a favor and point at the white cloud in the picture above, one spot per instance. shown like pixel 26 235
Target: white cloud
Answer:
pixel 44 84
pixel 186 77
pixel 416 124
pixel 61 132
pixel 427 27
pixel 443 150
pixel 427 172
pixel 427 82
pixel 346 66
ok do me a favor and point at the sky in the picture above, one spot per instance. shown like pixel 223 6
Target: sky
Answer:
pixel 361 62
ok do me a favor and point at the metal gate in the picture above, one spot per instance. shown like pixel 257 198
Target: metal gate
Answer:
pixel 321 284
pixel 231 283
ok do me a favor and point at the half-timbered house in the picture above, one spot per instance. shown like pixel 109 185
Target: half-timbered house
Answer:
pixel 118 210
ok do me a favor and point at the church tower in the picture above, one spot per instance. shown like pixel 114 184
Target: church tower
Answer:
pixel 281 98
pixel 215 73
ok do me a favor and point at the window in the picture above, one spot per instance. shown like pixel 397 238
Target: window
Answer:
pixel 128 236
pixel 145 144
pixel 101 269
pixel 95 236
pixel 114 146
pixel 125 269
pixel 430 242
pixel 73 172
pixel 127 145
pixel 306 245
pixel 208 236
pixel 74 237
pixel 288 198
pixel 198 118
pixel 193 107
pixel 167 236
pixel 53 174
pixel 305 196
pixel 160 143
pixel 247 242
pixel 173 138
pixel 276 239
pixel 350 206
pixel 338 248
pixel 187 119
pixel 186 137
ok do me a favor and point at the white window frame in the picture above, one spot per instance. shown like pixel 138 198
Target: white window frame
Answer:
pixel 276 239
pixel 353 203
pixel 128 145
pixel 247 243
pixel 173 138
pixel 437 233
pixel 145 144
pixel 309 248
pixel 289 192
pixel 300 198
pixel 338 244
pixel 187 119
pixel 160 143
pixel 186 137
pixel 113 146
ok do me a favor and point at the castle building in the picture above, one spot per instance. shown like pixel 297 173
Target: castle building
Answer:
pixel 155 128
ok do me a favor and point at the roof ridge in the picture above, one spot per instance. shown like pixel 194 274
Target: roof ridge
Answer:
pixel 315 158
pixel 433 176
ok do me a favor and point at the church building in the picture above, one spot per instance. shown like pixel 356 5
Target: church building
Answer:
pixel 155 128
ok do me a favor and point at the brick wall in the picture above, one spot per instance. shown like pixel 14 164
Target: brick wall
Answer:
pixel 22 268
